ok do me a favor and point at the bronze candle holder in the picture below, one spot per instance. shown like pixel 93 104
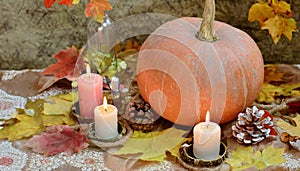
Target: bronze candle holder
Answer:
pixel 124 130
pixel 189 161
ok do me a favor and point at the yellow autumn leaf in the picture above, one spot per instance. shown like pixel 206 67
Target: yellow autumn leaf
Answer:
pixel 175 150
pixel 246 157
pixel 281 7
pixel 152 145
pixel 269 92
pixel 279 25
pixel 27 126
pixel 293 131
pixel 57 106
pixel 272 156
pixel 72 97
pixel 75 2
pixel 261 12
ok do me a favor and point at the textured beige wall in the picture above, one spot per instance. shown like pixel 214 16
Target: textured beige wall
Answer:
pixel 30 34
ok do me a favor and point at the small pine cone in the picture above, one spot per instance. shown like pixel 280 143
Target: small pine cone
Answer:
pixel 139 115
pixel 253 126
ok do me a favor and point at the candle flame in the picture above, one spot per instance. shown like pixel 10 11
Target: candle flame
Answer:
pixel 207 119
pixel 105 103
pixel 88 68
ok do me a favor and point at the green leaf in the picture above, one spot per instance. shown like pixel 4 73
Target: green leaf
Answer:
pixel 246 157
pixel 153 145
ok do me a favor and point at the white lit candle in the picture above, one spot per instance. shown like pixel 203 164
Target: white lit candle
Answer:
pixel 207 136
pixel 106 121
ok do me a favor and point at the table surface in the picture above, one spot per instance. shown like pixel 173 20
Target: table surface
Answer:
pixel 18 86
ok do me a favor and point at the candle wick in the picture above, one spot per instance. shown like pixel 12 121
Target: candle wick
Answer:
pixel 105 110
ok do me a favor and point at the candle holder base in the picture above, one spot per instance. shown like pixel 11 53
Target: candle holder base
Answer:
pixel 76 113
pixel 124 130
pixel 189 161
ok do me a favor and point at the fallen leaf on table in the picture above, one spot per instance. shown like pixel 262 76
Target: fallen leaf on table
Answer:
pixel 270 92
pixel 246 157
pixel 271 74
pixel 58 139
pixel 175 150
pixel 152 145
pixel 292 130
pixel 64 68
pixel 27 126
pixel 277 74
pixel 57 106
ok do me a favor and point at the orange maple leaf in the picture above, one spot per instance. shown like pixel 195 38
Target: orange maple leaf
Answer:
pixel 66 60
pixel 66 2
pixel 48 3
pixel 96 9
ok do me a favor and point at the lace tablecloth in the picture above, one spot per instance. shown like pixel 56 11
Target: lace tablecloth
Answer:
pixel 17 86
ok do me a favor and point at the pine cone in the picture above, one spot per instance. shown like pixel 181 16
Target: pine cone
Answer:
pixel 253 126
pixel 139 115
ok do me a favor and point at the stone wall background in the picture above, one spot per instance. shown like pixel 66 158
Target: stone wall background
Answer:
pixel 30 34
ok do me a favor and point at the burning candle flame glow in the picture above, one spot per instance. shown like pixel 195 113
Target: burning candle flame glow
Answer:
pixel 88 69
pixel 207 117
pixel 105 103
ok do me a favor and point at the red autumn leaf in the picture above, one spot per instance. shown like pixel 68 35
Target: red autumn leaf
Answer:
pixel 58 139
pixel 273 131
pixel 48 3
pixel 66 60
pixel 96 9
pixel 66 2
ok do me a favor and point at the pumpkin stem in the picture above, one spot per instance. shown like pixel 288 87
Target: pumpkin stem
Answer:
pixel 207 30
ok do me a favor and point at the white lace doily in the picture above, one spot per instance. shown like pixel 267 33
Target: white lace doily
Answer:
pixel 8 105
pixel 11 159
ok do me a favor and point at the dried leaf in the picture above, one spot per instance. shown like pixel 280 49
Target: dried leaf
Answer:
pixel 66 60
pixel 278 74
pixel 76 2
pixel 152 145
pixel 96 9
pixel 65 2
pixel 27 126
pixel 46 82
pixel 48 3
pixel 57 106
pixel 246 157
pixel 261 12
pixel 269 92
pixel 271 74
pixel 292 130
pixel 281 7
pixel 58 139
pixel 274 16
pixel 279 25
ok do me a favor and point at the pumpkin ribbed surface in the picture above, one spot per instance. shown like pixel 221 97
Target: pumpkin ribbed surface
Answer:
pixel 182 77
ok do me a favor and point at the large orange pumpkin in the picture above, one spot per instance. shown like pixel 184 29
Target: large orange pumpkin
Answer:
pixel 184 71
